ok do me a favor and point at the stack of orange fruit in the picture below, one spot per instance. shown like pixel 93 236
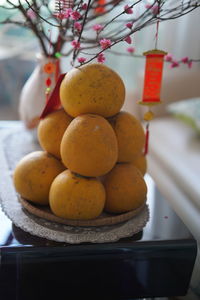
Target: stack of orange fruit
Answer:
pixel 92 157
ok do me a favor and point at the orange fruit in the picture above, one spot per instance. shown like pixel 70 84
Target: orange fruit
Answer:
pixel 92 88
pixel 130 136
pixel 89 146
pixel 75 197
pixel 125 188
pixel 51 130
pixel 34 175
pixel 141 163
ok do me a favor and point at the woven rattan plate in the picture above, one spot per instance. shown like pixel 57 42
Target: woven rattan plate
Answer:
pixel 102 220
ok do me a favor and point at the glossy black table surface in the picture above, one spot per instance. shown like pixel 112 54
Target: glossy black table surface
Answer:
pixel 156 262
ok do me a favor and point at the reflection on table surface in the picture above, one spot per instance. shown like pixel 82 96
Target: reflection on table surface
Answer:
pixel 163 224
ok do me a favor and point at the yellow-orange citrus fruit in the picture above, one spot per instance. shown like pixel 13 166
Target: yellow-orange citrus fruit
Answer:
pixel 34 175
pixel 92 88
pixel 130 136
pixel 51 130
pixel 76 197
pixel 89 146
pixel 141 163
pixel 125 188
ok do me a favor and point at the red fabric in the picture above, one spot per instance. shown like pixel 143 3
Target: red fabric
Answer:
pixel 57 72
pixel 54 99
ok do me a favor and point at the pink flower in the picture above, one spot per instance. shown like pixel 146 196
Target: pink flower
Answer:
pixel 168 57
pixel 185 59
pixel 129 25
pixel 189 64
pixel 77 26
pixel 130 49
pixel 75 44
pixel 128 39
pixel 174 64
pixel 105 43
pixel 31 14
pixel 81 60
pixel 147 6
pixel 59 16
pixel 75 15
pixel 84 6
pixel 154 8
pixel 128 10
pixel 101 58
pixel 67 13
pixel 97 27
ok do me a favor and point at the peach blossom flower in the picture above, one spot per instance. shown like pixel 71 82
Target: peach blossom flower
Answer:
pixel 105 43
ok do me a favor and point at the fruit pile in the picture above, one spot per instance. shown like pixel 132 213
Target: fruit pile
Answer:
pixel 92 151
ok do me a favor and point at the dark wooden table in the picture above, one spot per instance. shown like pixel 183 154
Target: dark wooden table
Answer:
pixel 156 262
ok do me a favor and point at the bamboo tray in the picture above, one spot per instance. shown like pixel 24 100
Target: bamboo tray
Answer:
pixel 103 220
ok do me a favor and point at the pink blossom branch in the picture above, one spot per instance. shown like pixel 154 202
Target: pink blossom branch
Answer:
pixel 79 38
pixel 34 28
pixel 68 32
pixel 39 15
pixel 117 16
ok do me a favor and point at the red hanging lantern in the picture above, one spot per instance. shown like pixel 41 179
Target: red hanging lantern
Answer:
pixel 152 85
pixel 153 77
